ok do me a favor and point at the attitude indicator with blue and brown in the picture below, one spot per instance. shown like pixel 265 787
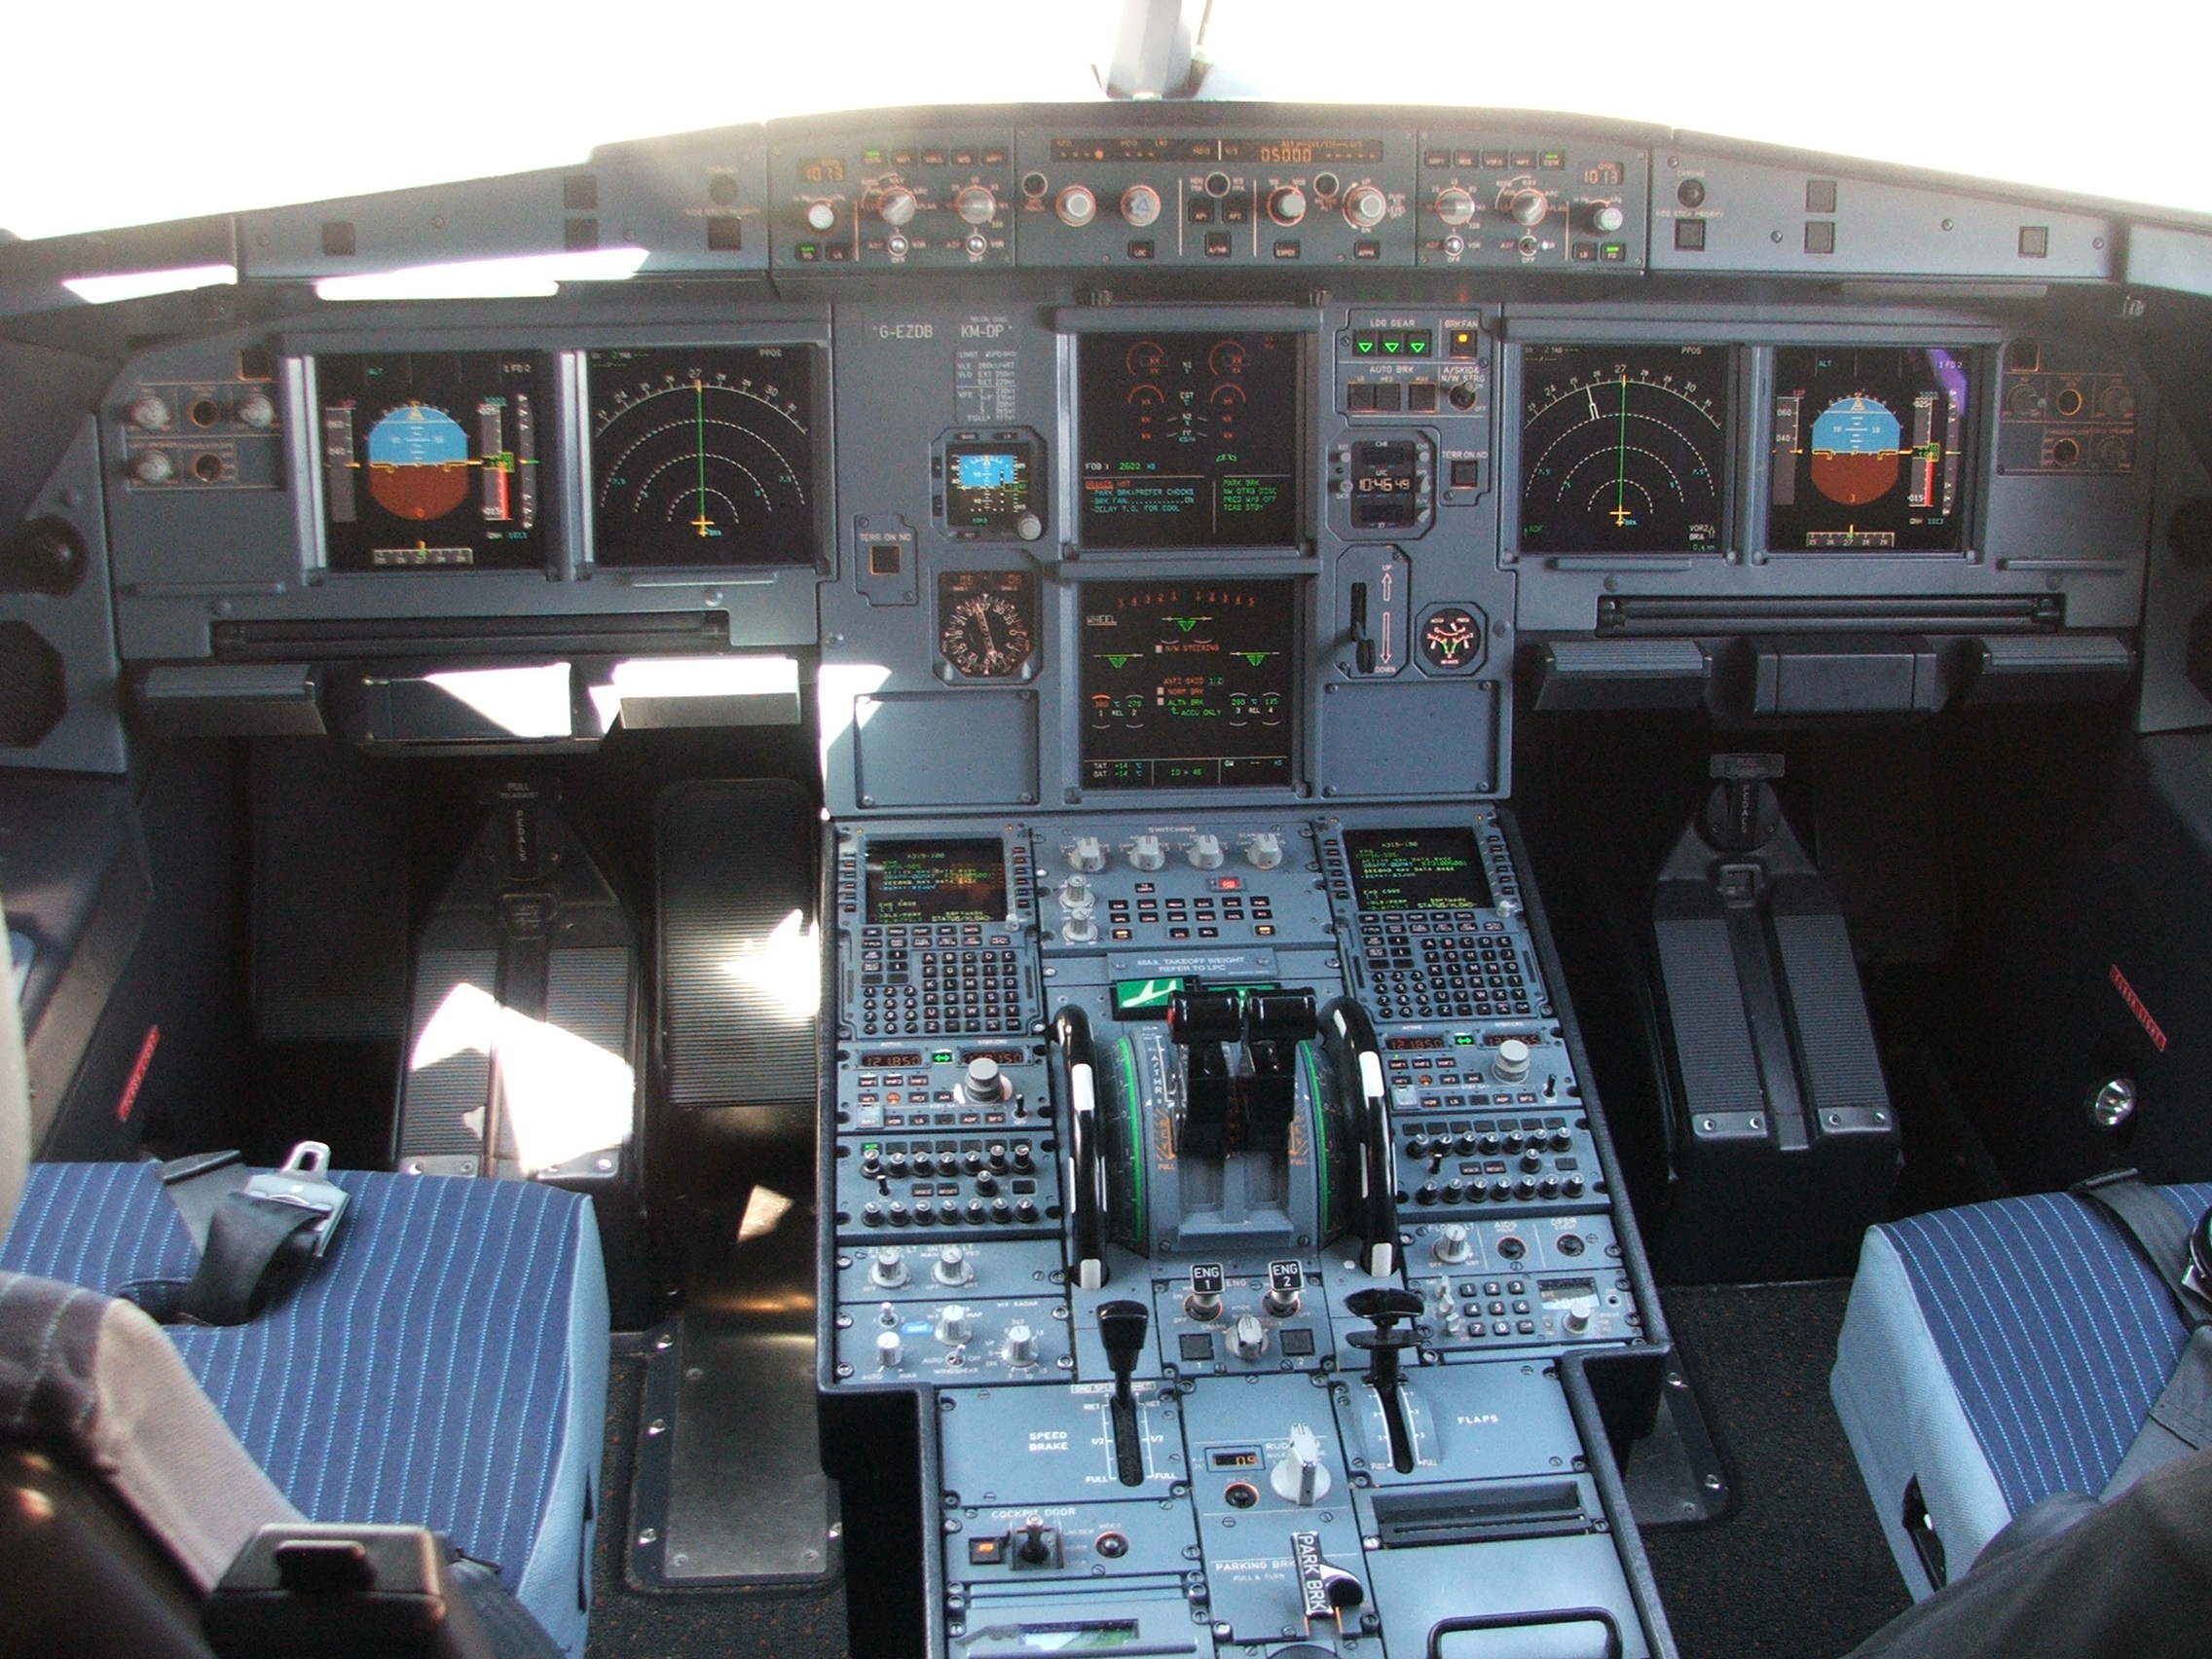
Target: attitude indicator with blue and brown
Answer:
pixel 429 460
pixel 1868 443
pixel 1622 448
pixel 703 455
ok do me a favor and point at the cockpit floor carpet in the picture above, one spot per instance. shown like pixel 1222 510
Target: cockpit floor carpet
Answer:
pixel 693 1624
pixel 1801 1570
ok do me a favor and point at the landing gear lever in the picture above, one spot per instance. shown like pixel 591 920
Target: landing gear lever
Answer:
pixel 1121 1328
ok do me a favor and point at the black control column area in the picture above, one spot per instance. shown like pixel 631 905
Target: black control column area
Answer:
pixel 1234 1375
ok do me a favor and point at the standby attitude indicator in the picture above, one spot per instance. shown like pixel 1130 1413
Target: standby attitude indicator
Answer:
pixel 1622 448
pixel 1868 443
pixel 703 455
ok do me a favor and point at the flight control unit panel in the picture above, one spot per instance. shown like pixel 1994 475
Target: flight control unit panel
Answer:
pixel 1227 1183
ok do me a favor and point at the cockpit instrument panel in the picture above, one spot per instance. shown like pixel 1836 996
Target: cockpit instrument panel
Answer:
pixel 429 459
pixel 1623 448
pixel 1868 449
pixel 703 455
pixel 1189 439
pixel 1187 684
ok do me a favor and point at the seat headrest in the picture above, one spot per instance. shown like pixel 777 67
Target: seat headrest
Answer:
pixel 14 1104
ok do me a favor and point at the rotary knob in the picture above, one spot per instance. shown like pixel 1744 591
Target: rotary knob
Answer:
pixel 149 413
pixel 1512 1062
pixel 889 1269
pixel 1454 207
pixel 1529 207
pixel 1146 852
pixel 1088 853
pixel 984 1081
pixel 1286 205
pixel 1141 204
pixel 1077 206
pixel 1263 850
pixel 1365 206
pixel 1451 1245
pixel 1205 851
pixel 1605 217
pixel 821 216
pixel 1077 897
pixel 1079 929
pixel 951 1267
pixel 976 206
pixel 898 207
pixel 890 1353
pixel 954 1327
pixel 1251 1336
pixel 1020 1346
pixel 153 468
pixel 255 410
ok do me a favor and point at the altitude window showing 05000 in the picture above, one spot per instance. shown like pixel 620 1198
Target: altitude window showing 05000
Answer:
pixel 1621 448
pixel 703 455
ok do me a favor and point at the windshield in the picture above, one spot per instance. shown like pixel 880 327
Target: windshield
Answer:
pixel 136 119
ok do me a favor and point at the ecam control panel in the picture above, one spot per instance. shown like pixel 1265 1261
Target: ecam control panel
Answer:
pixel 1227 1183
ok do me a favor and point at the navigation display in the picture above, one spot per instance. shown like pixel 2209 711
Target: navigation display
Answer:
pixel 1188 440
pixel 1868 444
pixel 703 455
pixel 429 460
pixel 1417 870
pixel 1186 684
pixel 912 882
pixel 1622 448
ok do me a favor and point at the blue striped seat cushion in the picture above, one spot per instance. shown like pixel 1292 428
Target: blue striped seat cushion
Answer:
pixel 422 1375
pixel 2058 1335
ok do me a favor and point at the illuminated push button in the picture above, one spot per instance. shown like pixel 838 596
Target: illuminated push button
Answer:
pixel 1511 1064
pixel 1286 205
pixel 976 206
pixel 1454 207
pixel 895 208
pixel 1077 206
pixel 1205 851
pixel 821 216
pixel 150 414
pixel 255 410
pixel 889 1269
pixel 1141 204
pixel 1365 206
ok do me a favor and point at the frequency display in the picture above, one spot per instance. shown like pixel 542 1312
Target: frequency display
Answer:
pixel 429 460
pixel 1190 440
pixel 1622 448
pixel 703 455
pixel 916 882
pixel 1868 443
pixel 1416 870
pixel 1186 684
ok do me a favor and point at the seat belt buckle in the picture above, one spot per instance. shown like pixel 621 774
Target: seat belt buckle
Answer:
pixel 302 1180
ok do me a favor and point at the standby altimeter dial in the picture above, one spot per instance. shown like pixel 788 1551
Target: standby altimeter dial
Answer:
pixel 986 622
